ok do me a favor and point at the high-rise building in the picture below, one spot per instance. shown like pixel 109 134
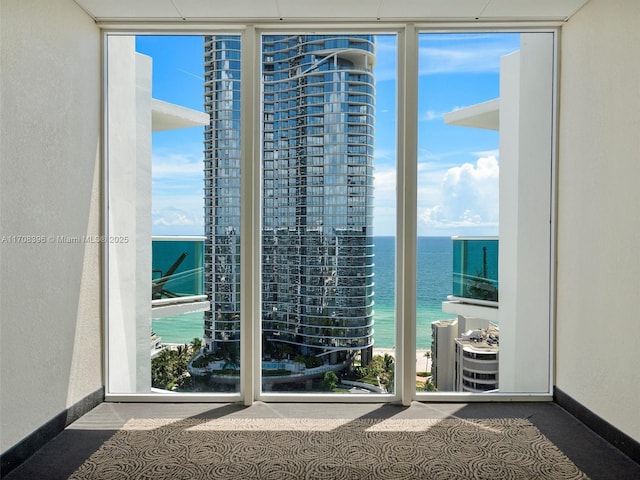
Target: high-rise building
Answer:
pixel 222 192
pixel 317 194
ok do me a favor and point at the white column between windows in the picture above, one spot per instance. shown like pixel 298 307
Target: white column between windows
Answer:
pixel 406 185
pixel 250 219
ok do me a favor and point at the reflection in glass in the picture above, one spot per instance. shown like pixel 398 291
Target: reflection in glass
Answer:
pixel 219 362
pixel 177 267
pixel 475 269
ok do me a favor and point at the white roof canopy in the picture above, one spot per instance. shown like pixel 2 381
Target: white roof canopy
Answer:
pixel 167 116
pixel 482 115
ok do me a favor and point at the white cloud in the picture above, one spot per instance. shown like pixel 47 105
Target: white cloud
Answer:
pixel 171 165
pixel 177 180
pixel 199 77
pixel 488 153
pixel 463 53
pixel 448 60
pixel 385 155
pixel 466 198
pixel 430 115
pixel 447 53
pixel 384 206
pixel 384 182
pixel 170 220
pixel 457 200
pixel 386 51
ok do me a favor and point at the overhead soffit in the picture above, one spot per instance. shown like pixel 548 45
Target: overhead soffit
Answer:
pixel 482 115
pixel 337 10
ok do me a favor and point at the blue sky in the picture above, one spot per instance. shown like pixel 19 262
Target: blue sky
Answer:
pixel 457 166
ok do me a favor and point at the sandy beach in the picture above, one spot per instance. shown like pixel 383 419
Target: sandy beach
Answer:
pixel 423 364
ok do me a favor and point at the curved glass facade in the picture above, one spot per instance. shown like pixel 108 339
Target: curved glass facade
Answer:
pixel 222 193
pixel 317 196
pixel 317 249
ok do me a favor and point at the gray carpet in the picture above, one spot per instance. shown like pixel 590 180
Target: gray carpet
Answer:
pixel 328 448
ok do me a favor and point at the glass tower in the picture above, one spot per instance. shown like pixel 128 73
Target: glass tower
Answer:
pixel 317 195
pixel 222 193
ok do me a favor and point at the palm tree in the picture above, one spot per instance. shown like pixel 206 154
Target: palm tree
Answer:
pixel 183 355
pixel 387 362
pixel 231 357
pixel 196 345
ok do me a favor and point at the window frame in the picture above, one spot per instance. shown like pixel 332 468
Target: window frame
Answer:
pixel 407 35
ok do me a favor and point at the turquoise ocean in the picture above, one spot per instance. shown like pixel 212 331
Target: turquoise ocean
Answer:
pixel 434 283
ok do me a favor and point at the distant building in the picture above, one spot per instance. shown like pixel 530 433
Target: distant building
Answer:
pixel 443 334
pixel 222 193
pixel 476 360
pixel 464 355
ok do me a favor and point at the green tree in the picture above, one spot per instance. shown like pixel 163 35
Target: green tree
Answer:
pixel 429 386
pixel 162 367
pixel 381 369
pixel 231 356
pixel 330 380
pixel 388 371
pixel 196 345
pixel 387 362
pixel 169 367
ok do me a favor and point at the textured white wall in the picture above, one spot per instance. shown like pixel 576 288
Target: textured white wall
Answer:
pixel 598 276
pixel 50 104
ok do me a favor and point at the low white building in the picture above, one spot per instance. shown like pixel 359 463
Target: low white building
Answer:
pixel 476 360
pixel 464 354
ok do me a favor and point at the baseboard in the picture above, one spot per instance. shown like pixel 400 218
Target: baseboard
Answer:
pixel 20 452
pixel 613 435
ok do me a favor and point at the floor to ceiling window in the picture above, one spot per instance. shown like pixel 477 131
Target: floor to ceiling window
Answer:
pixel 458 209
pixel 268 208
pixel 484 212
pixel 327 303
pixel 160 297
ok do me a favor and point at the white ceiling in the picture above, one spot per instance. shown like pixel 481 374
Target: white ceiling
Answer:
pixel 337 10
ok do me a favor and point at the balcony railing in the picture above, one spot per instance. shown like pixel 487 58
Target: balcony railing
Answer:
pixel 177 276
pixel 475 270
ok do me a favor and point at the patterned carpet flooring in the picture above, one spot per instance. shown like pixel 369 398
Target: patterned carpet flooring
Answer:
pixel 328 449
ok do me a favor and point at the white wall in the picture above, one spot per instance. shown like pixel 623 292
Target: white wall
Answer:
pixel 598 272
pixel 526 79
pixel 50 337
pixel 129 199
pixel 51 344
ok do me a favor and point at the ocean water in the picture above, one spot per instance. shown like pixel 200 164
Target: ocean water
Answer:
pixel 434 283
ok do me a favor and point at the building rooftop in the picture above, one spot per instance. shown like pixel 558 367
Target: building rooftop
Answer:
pixel 481 340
